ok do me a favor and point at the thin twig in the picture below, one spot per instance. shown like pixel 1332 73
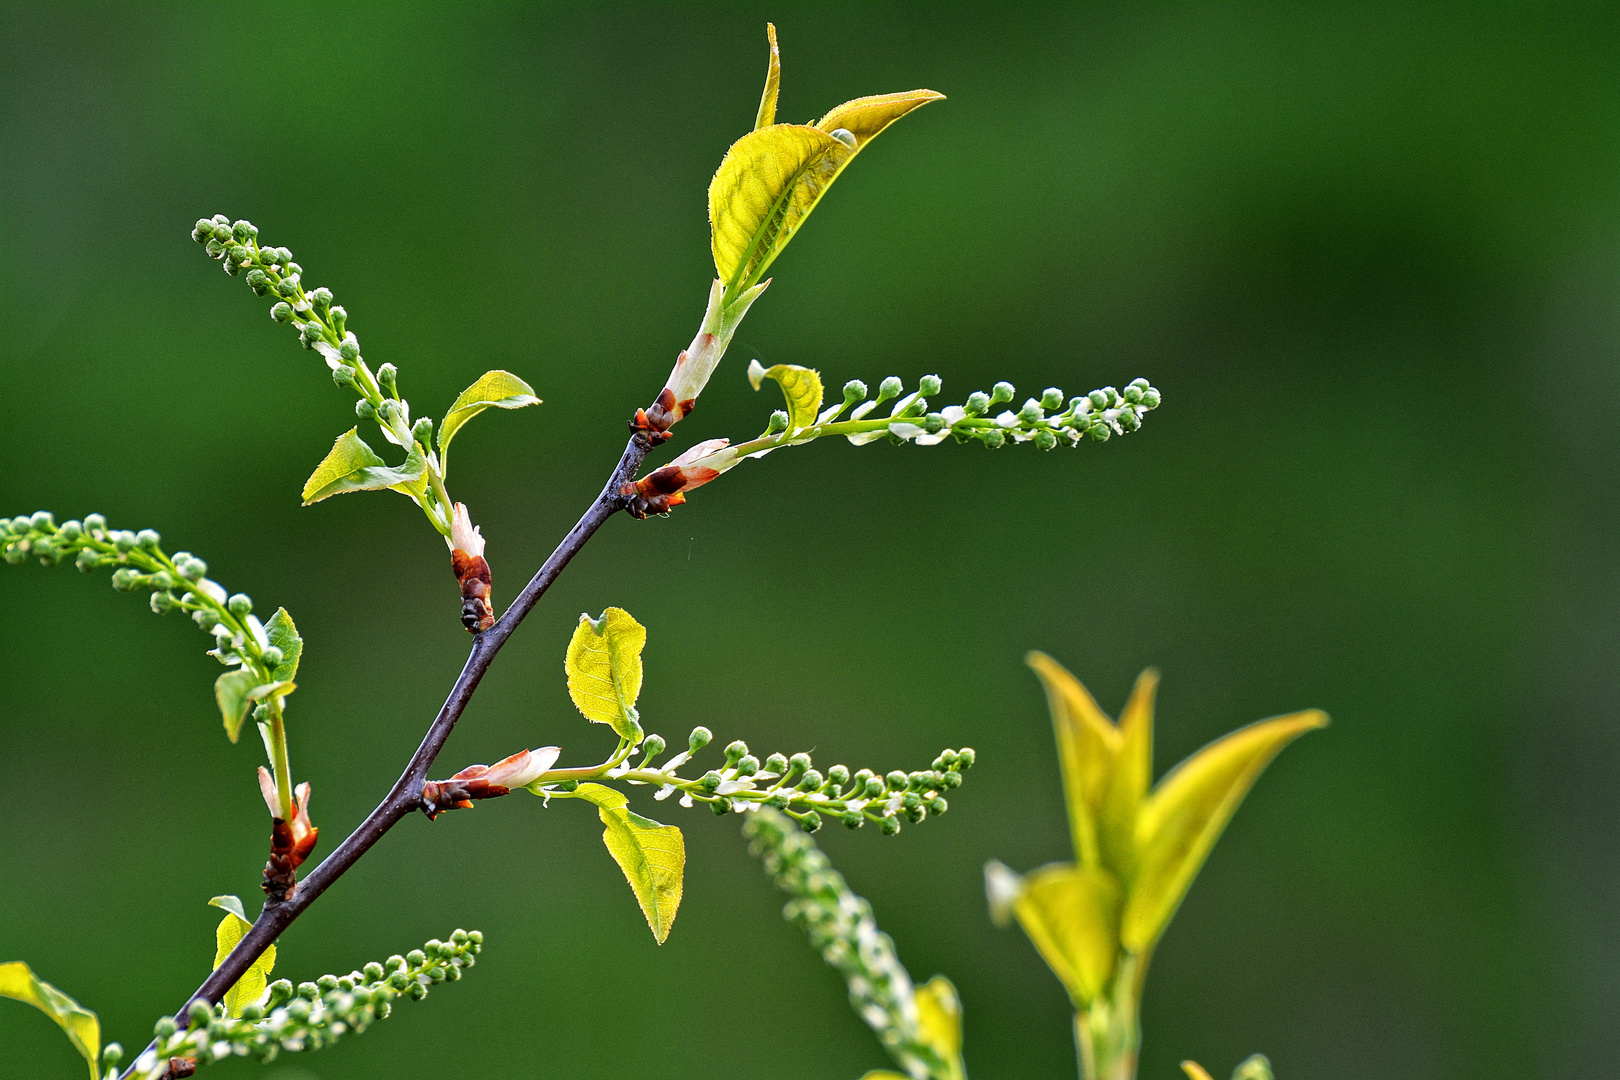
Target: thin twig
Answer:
pixel 406 796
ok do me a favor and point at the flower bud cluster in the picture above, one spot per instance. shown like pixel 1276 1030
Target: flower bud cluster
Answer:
pixel 176 583
pixel 311 1015
pixel 794 786
pixel 1098 415
pixel 321 324
pixel 842 929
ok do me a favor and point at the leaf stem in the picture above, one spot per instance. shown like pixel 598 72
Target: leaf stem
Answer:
pixel 280 762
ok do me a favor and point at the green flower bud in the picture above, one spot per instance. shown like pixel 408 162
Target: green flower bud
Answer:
pixel 777 424
pixel 416 958
pixel 993 438
pixel 244 230
pixel 241 605
pixel 193 570
pixel 748 765
pixel 916 814
pixel 346 985
pixel 1129 420
pixel 838 775
pixel 797 764
pixel 124 541
pixel 258 281
pixel 287 288
pixel 978 403
pixel 394 963
pixel 148 539
pixel 326 982
pixel 929 385
pixel 698 739
pixel 1031 411
pixel 721 807
pixel 1045 440
pixel 710 782
pixel 933 423
pixel 854 391
pixel 776 763
pixel 348 351
pixel 43 521
pixel 889 388
pixel 292 267
pixel 164 1028
pixel 1133 394
pixel 937 805
pixel 1150 398
pixel 812 780
pixel 272 656
pixel 735 752
pixel 339 318
pixel 418 991
pixel 890 825
pixel 126 579
pixel 298 1010
pixel 897 780
pixel 87 560
pixel 399 980
pixel 852 819
pixel 281 312
pixel 1099 399
pixel 200 1014
pixel 388 379
pixel 203 230
pixel 343 375
pixel 874 787
pixel 1099 432
pixel 653 746
pixel 222 231
pixel 163 603
pixel 16 554
pixel 94 523
pixel 283 256
pixel 205 618
pixel 365 410
pixel 422 431
pixel 280 991
pixel 476 937
pixel 238 253
pixel 70 530
pixel 321 298
pixel 111 1055
pixel 965 758
pixel 1001 393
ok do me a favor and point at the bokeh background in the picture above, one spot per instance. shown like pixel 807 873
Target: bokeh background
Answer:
pixel 1368 252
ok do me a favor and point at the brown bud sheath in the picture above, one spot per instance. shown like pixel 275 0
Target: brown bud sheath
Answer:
pixel 477 612
pixel 290 844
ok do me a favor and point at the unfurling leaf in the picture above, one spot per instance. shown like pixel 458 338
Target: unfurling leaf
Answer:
pixel 256 979
pixel 604 669
pixel 1088 743
pixel 1071 914
pixel 939 1018
pixel 652 856
pixel 1253 1067
pixel 1186 813
pixel 1195 1071
pixel 493 390
pixel 284 636
pixel 231 690
pixel 800 385
pixel 354 466
pixel 18 982
pixel 773 83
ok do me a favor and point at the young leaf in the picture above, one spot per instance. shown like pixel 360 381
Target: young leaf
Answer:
pixel 1071 914
pixel 865 118
pixel 652 856
pixel 1195 1071
pixel 939 1019
pixel 604 669
pixel 800 385
pixel 354 466
pixel 18 982
pixel 773 83
pixel 231 690
pixel 253 983
pixel 283 634
pixel 1129 781
pixel 493 390
pixel 1186 813
pixel 1253 1067
pixel 1087 744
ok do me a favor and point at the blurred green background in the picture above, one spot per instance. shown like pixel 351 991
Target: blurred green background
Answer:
pixel 1369 254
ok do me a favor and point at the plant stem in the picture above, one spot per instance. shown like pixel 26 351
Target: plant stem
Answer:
pixel 279 762
pixel 1108 1032
pixel 406 795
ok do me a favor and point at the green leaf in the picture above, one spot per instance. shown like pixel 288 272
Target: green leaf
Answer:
pixel 1088 744
pixel 1180 822
pixel 354 466
pixel 1253 1067
pixel 773 83
pixel 18 982
pixel 284 636
pixel 652 856
pixel 1071 914
pixel 232 691
pixel 604 670
pixel 494 389
pixel 772 178
pixel 253 983
pixel 1128 783
pixel 800 385
pixel 939 1017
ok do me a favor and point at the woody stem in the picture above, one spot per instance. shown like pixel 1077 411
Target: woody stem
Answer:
pixel 406 795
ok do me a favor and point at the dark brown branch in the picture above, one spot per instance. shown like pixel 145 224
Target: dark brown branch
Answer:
pixel 406 796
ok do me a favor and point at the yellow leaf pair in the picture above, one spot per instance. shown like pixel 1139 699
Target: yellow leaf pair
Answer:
pixel 772 178
pixel 1136 851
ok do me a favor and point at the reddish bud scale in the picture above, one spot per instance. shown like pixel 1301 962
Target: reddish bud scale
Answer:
pixel 477 612
pixel 290 844
pixel 656 419
pixel 661 490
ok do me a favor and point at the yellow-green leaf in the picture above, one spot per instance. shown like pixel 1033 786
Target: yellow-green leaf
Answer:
pixel 354 466
pixel 1071 914
pixel 231 691
pixel 1253 1067
pixel 865 118
pixel 18 982
pixel 766 186
pixel 1088 744
pixel 1128 783
pixel 773 83
pixel 939 1018
pixel 604 669
pixel 253 983
pixel 493 390
pixel 283 634
pixel 1195 1071
pixel 652 856
pixel 1180 822
pixel 800 385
